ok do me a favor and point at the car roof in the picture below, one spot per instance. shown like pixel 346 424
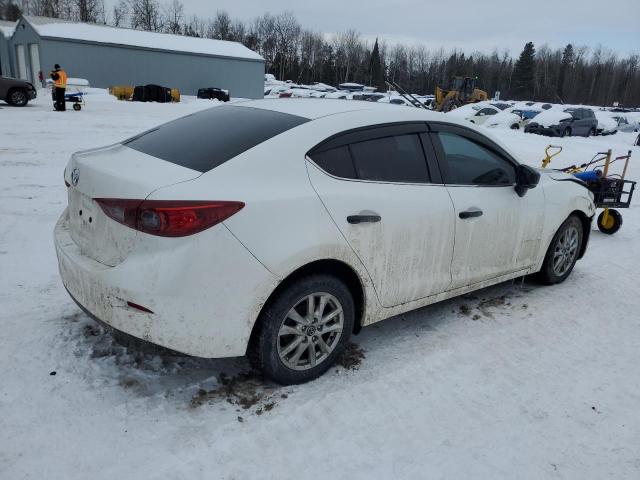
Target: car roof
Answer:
pixel 314 108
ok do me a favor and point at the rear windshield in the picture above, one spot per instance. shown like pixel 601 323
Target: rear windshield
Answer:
pixel 203 140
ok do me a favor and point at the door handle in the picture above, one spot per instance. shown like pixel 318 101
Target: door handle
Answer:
pixel 355 219
pixel 470 214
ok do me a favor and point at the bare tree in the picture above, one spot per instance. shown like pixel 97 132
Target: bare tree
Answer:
pixel 174 14
pixel 146 15
pixel 120 13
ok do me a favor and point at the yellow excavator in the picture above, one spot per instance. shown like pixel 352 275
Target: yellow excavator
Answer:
pixel 463 91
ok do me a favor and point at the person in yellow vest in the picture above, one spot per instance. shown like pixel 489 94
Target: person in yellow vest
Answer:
pixel 59 77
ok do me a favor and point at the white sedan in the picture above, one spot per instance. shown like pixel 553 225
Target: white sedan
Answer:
pixel 278 228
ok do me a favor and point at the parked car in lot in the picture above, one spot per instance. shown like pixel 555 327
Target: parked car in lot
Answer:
pixel 570 121
pixel 624 124
pixel 606 124
pixel 300 222
pixel 476 113
pixel 16 92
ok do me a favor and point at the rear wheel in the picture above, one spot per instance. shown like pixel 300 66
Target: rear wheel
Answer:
pixel 17 98
pixel 77 107
pixel 303 330
pixel 612 223
pixel 515 126
pixel 592 132
pixel 450 104
pixel 563 252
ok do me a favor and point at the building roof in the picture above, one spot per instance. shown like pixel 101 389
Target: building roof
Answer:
pixel 63 29
pixel 7 28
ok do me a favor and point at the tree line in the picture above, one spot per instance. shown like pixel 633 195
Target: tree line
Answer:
pixel 573 74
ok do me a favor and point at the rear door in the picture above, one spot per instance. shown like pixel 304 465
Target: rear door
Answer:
pixel 497 232
pixel 386 197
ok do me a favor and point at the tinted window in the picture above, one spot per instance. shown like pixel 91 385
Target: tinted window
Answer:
pixel 390 159
pixel 470 163
pixel 206 139
pixel 487 111
pixel 336 161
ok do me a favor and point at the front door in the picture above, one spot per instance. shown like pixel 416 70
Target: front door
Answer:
pixel 497 232
pixel 377 186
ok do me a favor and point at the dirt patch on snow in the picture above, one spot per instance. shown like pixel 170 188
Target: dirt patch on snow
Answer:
pixel 352 357
pixel 245 390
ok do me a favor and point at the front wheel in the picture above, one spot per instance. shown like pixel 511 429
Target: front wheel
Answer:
pixel 566 132
pixel 18 98
pixel 303 330
pixel 612 223
pixel 563 252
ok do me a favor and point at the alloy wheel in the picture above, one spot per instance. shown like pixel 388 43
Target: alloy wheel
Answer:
pixel 310 331
pixel 565 251
pixel 18 97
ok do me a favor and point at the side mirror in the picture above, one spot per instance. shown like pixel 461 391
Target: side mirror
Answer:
pixel 526 178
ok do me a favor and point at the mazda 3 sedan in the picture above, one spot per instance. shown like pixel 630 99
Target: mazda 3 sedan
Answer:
pixel 278 228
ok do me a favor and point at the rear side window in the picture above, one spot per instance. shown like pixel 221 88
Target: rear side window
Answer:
pixel 397 158
pixel 391 159
pixel 470 163
pixel 336 161
pixel 204 140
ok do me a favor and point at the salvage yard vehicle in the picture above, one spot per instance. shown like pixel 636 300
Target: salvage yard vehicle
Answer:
pixel 300 222
pixel 572 121
pixel 16 92
pixel 624 124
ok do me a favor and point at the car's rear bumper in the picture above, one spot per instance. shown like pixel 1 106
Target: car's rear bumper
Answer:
pixel 203 302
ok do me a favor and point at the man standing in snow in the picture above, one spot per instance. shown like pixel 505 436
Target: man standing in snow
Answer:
pixel 59 78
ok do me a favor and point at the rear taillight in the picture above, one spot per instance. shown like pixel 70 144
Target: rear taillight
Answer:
pixel 168 218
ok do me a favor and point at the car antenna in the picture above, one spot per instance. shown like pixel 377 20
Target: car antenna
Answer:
pixel 407 96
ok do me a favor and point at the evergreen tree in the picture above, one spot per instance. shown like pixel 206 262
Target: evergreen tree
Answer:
pixel 9 10
pixel 523 79
pixel 567 62
pixel 376 70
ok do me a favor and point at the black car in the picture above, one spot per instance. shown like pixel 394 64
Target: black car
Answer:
pixel 16 92
pixel 582 122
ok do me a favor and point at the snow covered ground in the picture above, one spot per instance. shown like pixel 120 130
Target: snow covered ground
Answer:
pixel 515 381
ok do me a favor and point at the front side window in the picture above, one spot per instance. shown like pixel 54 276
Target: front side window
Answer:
pixel 470 163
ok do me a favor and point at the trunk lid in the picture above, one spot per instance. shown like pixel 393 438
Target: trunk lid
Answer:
pixel 112 172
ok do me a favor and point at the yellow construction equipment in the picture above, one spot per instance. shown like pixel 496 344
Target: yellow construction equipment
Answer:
pixel 463 91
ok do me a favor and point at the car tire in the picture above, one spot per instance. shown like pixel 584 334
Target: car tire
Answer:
pixel 563 252
pixel 286 334
pixel 515 127
pixel 591 132
pixel 614 222
pixel 17 97
pixel 566 132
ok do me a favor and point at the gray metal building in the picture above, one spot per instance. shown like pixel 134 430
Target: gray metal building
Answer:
pixel 108 56
pixel 6 31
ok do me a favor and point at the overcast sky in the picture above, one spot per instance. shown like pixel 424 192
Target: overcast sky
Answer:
pixel 465 24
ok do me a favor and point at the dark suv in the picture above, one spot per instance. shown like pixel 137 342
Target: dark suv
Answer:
pixel 16 92
pixel 582 122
